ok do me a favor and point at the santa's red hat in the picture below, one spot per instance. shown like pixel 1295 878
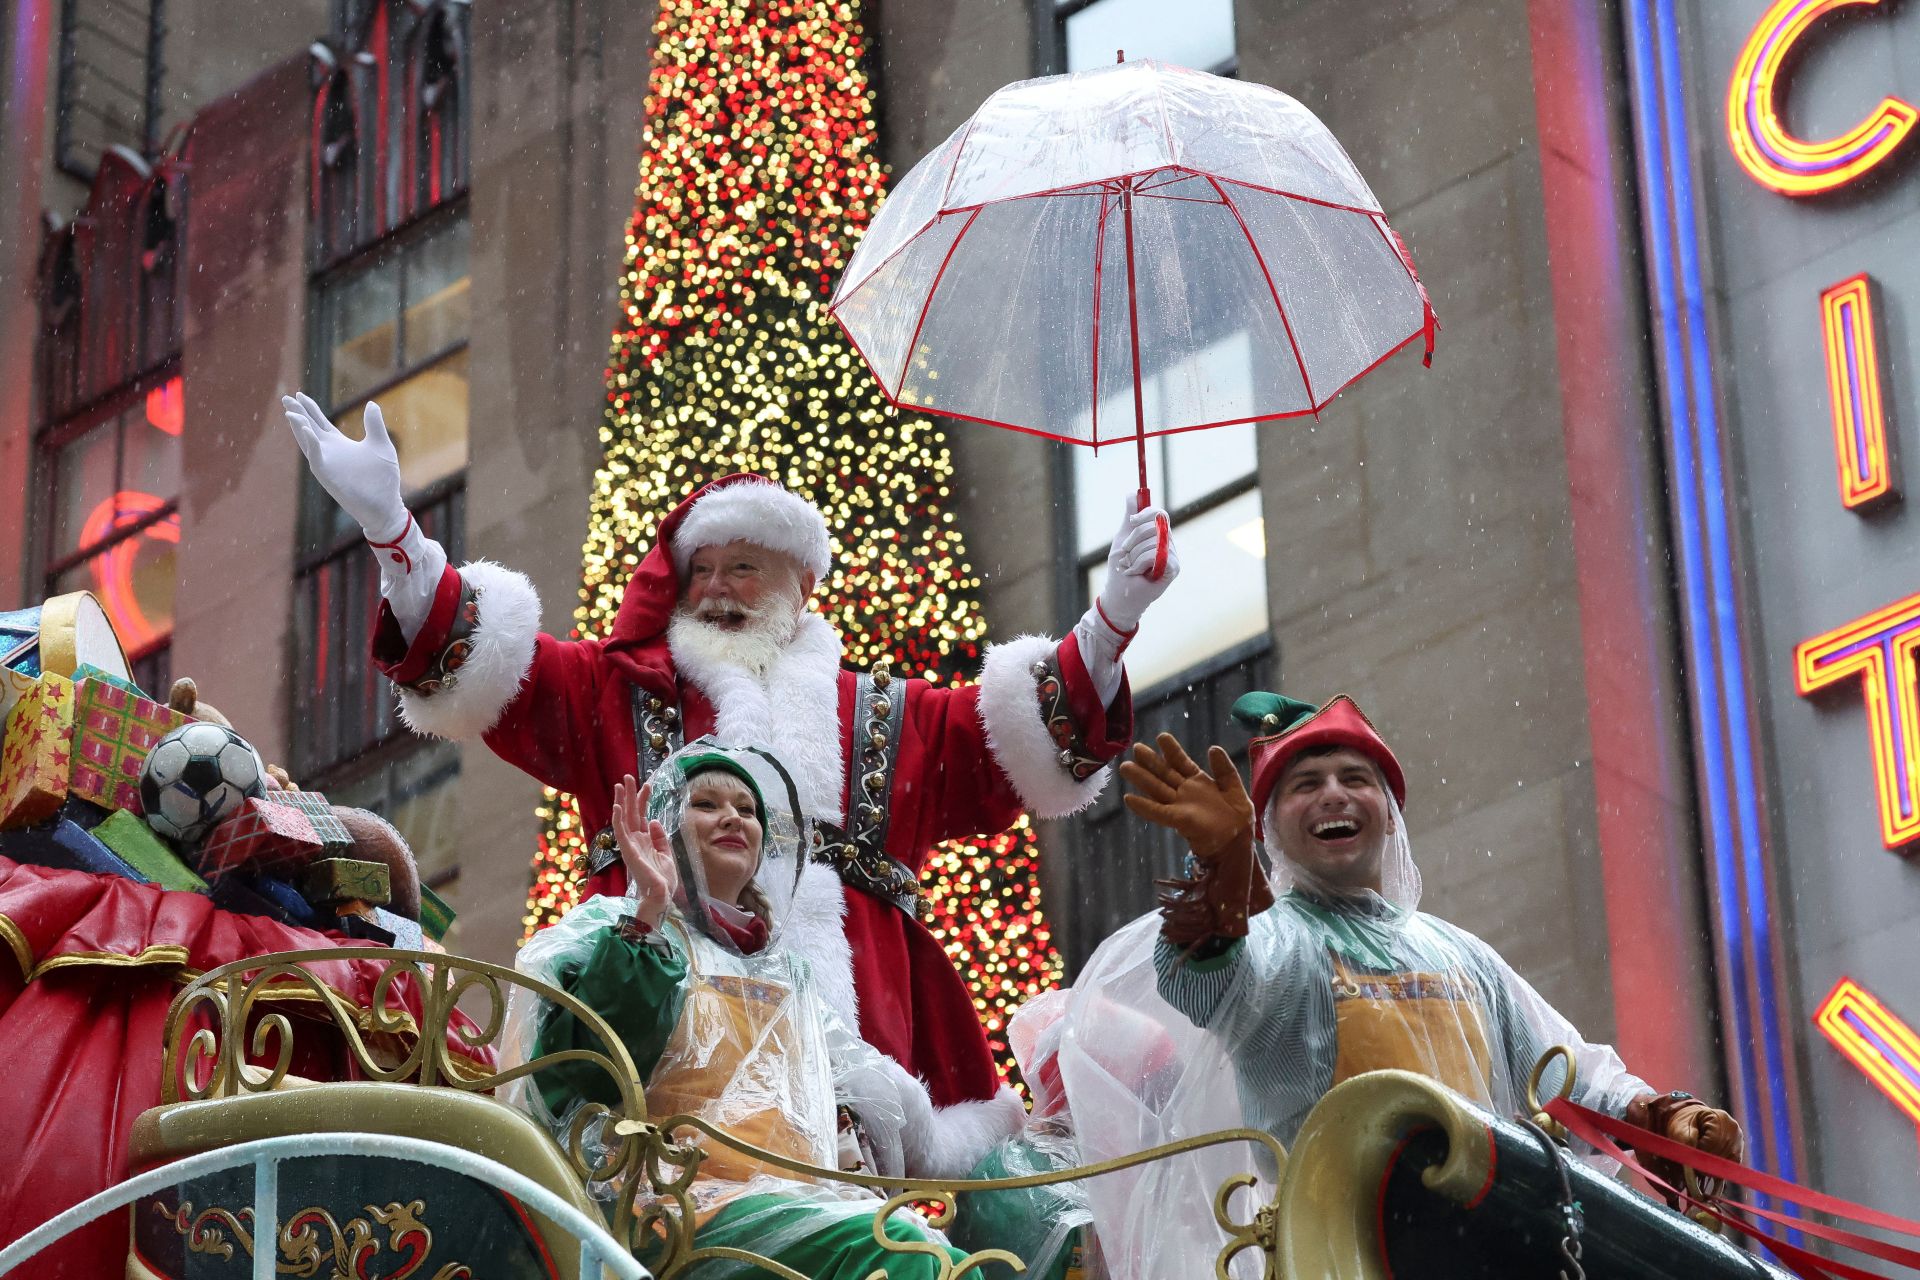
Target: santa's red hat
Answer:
pixel 740 506
pixel 1285 727
pixel 749 508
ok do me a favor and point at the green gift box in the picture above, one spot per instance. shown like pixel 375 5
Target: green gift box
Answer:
pixel 128 835
pixel 436 917
pixel 335 880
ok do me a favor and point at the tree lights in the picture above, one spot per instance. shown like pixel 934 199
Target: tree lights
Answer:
pixel 758 173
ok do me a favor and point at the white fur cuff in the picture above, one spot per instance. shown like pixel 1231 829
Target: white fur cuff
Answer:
pixel 1017 732
pixel 759 512
pixel 502 654
pixel 960 1135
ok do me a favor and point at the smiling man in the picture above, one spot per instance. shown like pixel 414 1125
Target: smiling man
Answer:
pixel 1342 974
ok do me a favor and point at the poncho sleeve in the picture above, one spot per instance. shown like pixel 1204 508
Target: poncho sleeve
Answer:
pixel 1529 1026
pixel 638 987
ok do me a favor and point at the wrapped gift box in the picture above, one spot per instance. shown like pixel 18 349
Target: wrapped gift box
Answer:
pixel 114 729
pixel 265 896
pixel 67 846
pixel 334 880
pixel 129 836
pixel 331 831
pixel 36 755
pixel 12 685
pixel 436 917
pixel 261 837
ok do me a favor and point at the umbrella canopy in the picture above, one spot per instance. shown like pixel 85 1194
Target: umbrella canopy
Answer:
pixel 1127 252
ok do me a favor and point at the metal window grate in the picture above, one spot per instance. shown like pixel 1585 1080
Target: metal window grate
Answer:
pixel 111 68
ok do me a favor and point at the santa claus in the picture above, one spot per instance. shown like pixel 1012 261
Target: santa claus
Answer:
pixel 713 636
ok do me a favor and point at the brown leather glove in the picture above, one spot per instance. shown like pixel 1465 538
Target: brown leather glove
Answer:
pixel 1683 1118
pixel 1212 811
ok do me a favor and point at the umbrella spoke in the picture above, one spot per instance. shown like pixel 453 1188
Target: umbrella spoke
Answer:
pixel 1272 290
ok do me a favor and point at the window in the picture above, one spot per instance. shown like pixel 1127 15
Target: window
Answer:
pixel 389 119
pixel 1110 874
pixel 389 321
pixel 392 328
pixel 107 452
pixel 1197 34
pixel 411 792
pixel 109 85
pixel 1206 482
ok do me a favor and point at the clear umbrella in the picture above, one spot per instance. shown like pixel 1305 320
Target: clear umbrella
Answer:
pixel 1066 260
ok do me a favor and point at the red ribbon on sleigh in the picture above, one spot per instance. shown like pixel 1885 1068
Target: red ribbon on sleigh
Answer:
pixel 1606 1134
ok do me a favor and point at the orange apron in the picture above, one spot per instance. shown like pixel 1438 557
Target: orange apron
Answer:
pixel 725 1020
pixel 1432 1023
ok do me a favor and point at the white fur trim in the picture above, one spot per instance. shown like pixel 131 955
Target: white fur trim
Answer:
pixel 1017 732
pixel 762 513
pixel 794 711
pixel 502 655
pixel 947 1142
pixel 813 925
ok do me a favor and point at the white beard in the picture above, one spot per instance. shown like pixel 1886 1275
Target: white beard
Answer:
pixel 755 646
pixel 782 695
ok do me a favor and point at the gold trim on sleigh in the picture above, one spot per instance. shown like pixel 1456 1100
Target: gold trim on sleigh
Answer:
pixel 1312 1224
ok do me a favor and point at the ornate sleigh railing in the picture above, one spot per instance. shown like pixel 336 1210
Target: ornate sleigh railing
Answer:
pixel 1391 1174
pixel 228 1034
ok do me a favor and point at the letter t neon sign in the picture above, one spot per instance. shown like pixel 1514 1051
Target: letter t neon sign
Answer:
pixel 1879 649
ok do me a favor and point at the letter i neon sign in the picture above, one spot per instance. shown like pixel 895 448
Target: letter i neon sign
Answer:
pixel 1874 1039
pixel 1879 649
pixel 1853 380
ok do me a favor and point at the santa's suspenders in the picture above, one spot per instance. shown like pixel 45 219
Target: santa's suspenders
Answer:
pixel 858 851
pixel 656 734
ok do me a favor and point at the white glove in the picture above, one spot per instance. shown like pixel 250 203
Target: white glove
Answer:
pixel 362 475
pixel 364 478
pixel 1128 591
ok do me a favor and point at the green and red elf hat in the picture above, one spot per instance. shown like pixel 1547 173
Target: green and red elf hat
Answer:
pixel 1284 727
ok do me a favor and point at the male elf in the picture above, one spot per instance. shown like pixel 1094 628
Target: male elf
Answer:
pixel 1342 974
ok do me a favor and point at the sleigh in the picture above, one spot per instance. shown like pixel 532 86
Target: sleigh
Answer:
pixel 417 1170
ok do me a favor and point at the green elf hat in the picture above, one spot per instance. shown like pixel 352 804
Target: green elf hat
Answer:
pixel 1283 727
pixel 689 764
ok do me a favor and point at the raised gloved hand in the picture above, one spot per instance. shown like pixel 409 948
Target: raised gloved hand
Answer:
pixel 1683 1118
pixel 1128 590
pixel 1212 811
pixel 362 475
pixel 652 878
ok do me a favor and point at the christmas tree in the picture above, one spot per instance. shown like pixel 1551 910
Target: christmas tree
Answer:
pixel 758 175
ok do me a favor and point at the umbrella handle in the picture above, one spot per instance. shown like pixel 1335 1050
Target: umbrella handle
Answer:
pixel 1165 542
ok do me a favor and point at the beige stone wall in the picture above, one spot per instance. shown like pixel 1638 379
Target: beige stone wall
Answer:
pixel 244 346
pixel 1419 539
pixel 556 138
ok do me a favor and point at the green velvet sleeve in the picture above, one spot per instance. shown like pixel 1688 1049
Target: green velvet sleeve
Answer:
pixel 638 989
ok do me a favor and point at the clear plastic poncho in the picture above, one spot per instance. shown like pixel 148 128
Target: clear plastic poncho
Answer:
pixel 1326 986
pixel 1042 1225
pixel 753 1049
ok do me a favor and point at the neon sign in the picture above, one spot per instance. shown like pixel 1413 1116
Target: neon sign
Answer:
pixel 1878 648
pixel 113 576
pixel 1853 379
pixel 1772 156
pixel 1874 1039
pixel 166 406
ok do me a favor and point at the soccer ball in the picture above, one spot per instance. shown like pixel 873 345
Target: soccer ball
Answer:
pixel 196 777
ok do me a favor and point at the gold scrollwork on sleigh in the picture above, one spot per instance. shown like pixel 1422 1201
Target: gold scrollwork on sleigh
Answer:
pixel 313 1244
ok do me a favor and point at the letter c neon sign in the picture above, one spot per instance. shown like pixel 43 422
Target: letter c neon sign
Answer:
pixel 1775 158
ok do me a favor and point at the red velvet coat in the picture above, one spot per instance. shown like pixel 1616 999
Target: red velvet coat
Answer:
pixel 569 724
